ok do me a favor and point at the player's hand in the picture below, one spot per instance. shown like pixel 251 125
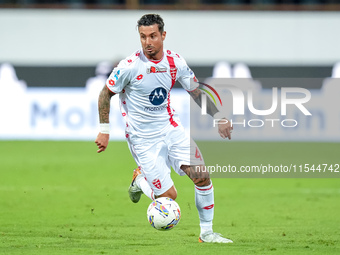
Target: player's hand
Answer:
pixel 225 128
pixel 102 142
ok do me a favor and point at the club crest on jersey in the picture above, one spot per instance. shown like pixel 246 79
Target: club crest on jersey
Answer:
pixel 155 69
pixel 157 183
pixel 158 96
pixel 173 72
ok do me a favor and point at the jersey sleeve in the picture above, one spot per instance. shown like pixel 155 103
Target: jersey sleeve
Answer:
pixel 119 77
pixel 186 76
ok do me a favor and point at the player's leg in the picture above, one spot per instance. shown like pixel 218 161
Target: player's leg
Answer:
pixel 181 148
pixel 172 193
pixel 204 195
pixel 204 199
pixel 139 186
pixel 153 177
pixel 186 159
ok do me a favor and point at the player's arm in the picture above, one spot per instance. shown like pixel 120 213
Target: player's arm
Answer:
pixel 197 96
pixel 104 100
pixel 224 126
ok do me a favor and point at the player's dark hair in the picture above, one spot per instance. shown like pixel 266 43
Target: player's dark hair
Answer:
pixel 151 19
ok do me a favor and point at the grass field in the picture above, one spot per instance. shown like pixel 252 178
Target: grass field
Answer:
pixel 64 198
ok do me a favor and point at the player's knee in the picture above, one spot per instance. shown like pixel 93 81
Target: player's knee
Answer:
pixel 201 182
pixel 200 176
pixel 171 193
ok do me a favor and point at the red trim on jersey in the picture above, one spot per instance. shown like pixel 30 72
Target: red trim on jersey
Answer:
pixel 156 61
pixel 110 89
pixel 173 73
pixel 192 90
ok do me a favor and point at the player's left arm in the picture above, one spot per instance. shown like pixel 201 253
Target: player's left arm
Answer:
pixel 224 126
pixel 197 96
pixel 190 83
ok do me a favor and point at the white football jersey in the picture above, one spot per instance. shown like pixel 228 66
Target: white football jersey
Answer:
pixel 144 87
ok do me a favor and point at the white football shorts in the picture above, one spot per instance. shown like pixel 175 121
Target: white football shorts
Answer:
pixel 156 156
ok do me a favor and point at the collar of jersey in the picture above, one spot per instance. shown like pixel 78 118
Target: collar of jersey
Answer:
pixel 155 61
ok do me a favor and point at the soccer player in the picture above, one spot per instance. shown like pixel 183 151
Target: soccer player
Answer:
pixel 154 133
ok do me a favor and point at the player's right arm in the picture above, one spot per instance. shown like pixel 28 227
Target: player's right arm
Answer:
pixel 104 100
pixel 118 79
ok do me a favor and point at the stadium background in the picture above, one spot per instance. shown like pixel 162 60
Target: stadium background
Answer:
pixel 60 197
pixel 63 42
pixel 58 48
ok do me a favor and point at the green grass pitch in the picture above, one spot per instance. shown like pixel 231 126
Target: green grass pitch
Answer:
pixel 64 198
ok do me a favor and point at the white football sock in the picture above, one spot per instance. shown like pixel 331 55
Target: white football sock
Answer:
pixel 145 187
pixel 204 198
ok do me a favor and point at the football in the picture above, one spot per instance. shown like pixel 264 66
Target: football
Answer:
pixel 164 213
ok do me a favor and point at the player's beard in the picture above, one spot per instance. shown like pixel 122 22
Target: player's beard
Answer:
pixel 152 53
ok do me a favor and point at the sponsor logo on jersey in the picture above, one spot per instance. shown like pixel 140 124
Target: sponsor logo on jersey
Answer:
pixel 139 77
pixel 112 81
pixel 155 108
pixel 158 96
pixel 155 69
pixel 117 73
